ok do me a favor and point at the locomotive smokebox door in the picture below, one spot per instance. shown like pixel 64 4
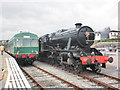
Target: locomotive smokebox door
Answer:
pixel 85 36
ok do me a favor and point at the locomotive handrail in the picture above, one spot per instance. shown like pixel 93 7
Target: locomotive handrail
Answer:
pixel 90 32
pixel 90 40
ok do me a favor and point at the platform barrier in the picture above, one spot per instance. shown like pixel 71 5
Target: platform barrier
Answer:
pixel 16 78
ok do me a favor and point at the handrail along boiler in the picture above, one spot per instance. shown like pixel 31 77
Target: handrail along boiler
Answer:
pixel 71 48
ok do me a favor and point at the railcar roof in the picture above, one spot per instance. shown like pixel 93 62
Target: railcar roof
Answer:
pixel 22 34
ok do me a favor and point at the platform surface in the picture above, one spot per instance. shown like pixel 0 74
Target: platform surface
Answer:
pixel 13 77
pixel 1 67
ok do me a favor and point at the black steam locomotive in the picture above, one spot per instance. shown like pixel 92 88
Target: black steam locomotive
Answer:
pixel 71 48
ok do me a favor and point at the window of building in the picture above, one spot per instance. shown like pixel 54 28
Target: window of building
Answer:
pixel 98 34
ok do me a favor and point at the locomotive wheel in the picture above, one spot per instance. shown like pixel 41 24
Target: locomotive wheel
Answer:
pixel 96 67
pixel 58 62
pixel 63 65
pixel 30 62
pixel 51 61
pixel 78 66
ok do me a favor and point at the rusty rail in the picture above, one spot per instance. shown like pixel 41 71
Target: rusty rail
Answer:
pixel 38 84
pixel 118 79
pixel 73 85
pixel 89 78
pixel 92 79
pixel 109 76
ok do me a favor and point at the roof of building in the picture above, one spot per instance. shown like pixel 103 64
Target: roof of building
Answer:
pixel 101 44
pixel 98 32
pixel 115 31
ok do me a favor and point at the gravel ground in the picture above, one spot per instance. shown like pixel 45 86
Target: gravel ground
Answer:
pixel 68 76
pixel 113 69
pixel 104 79
pixel 45 79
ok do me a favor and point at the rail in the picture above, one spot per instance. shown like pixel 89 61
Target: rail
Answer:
pixel 92 79
pixel 32 78
pixel 73 85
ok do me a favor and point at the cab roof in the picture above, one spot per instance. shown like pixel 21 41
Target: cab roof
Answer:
pixel 25 35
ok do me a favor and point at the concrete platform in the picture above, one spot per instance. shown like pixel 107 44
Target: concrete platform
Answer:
pixel 2 58
pixel 13 76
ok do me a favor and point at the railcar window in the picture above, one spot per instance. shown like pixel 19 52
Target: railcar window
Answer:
pixel 19 42
pixel 34 42
pixel 26 42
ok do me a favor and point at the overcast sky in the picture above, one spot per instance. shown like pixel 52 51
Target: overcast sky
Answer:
pixel 47 16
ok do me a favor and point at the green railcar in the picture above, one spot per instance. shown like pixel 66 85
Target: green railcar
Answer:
pixel 24 47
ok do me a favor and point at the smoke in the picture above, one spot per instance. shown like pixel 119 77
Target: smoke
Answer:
pixel 105 33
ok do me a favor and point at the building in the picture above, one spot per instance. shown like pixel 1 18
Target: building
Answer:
pixel 97 35
pixel 114 34
pixel 3 42
pixel 106 44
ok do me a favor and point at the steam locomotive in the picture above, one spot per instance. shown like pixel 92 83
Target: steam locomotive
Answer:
pixel 71 48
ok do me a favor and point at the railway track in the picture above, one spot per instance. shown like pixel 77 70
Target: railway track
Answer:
pixel 44 79
pixel 32 81
pixel 104 80
pixel 107 81
pixel 113 81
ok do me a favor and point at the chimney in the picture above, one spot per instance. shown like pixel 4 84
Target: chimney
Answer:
pixel 78 25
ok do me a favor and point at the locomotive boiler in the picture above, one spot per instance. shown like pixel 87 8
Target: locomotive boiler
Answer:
pixel 71 48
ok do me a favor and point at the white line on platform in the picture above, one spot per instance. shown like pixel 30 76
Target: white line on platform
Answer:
pixel 16 78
